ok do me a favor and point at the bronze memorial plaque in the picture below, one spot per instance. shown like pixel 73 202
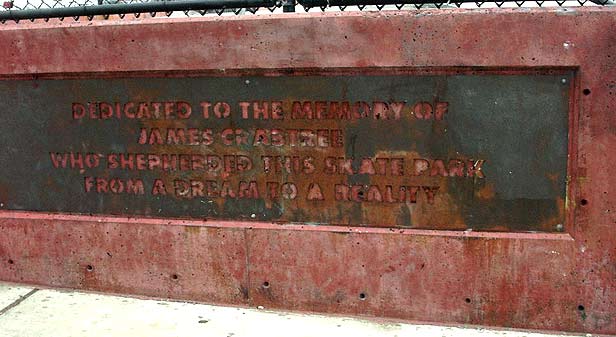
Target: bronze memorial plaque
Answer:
pixel 473 150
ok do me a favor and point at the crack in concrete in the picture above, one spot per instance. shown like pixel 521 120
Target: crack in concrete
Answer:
pixel 18 301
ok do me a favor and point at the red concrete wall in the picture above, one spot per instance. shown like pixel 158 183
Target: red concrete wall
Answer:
pixel 539 281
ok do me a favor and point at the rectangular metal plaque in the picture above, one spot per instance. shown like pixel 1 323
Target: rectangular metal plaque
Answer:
pixel 459 151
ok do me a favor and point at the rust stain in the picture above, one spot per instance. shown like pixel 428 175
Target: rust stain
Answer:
pixel 466 259
pixel 486 192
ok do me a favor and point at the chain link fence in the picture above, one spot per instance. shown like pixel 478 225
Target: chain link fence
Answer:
pixel 17 10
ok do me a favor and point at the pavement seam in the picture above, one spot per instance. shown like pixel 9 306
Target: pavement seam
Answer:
pixel 18 301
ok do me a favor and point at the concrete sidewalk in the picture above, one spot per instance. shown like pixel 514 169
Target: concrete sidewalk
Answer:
pixel 31 312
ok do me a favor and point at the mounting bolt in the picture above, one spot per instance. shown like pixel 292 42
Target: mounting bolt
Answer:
pixel 564 81
pixel 560 227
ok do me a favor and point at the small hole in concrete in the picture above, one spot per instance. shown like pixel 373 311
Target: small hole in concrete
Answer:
pixel 362 296
pixel 581 308
pixel 10 261
pixel 89 268
pixel 266 284
pixel 175 276
pixel 584 202
pixel 586 92
pixel 467 300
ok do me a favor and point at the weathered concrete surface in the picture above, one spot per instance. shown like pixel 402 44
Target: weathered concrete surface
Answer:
pixel 561 281
pixel 67 314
